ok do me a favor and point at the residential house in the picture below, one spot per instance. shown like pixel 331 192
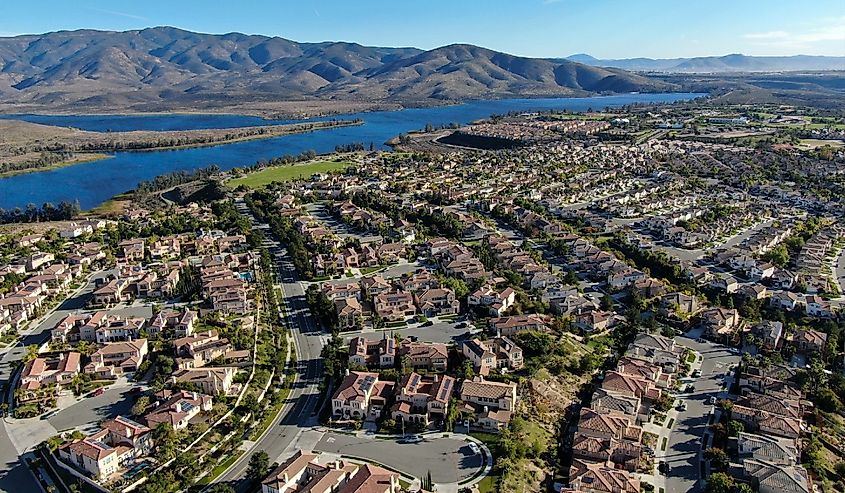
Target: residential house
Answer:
pixel 496 353
pixel 117 446
pixel 595 477
pixel 369 353
pixel 303 473
pixel 593 321
pixel 423 399
pixel 509 326
pixel 810 341
pixel 53 370
pixel 492 402
pixel 211 381
pixel 776 450
pixel 349 313
pixel 428 355
pixel 498 302
pixel 437 302
pixel 200 349
pixel 678 305
pixel 777 478
pixel 176 409
pixel 117 358
pixel 361 395
pixel 770 334
pixel 720 322
pixel 394 305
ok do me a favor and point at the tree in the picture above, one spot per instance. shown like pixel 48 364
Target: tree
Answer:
pixel 259 464
pixel 31 353
pixel 718 458
pixel 426 483
pixel 221 488
pixel 165 439
pixel 735 427
pixel 743 488
pixel 720 483
pixel 140 405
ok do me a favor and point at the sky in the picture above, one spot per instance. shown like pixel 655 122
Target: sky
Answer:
pixel 535 28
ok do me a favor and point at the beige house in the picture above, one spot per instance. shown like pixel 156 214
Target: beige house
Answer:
pixel 117 358
pixel 211 381
pixel 114 448
pixel 498 353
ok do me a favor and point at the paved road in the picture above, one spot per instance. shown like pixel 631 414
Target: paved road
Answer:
pixel 839 272
pixel 340 228
pixel 682 453
pixel 440 331
pixel 115 400
pixel 301 410
pixel 449 460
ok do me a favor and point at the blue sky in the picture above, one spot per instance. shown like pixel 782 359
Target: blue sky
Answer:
pixel 539 28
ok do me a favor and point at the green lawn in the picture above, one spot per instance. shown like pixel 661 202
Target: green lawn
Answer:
pixel 287 173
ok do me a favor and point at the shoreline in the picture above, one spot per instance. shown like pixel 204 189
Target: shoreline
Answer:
pixel 86 157
pixel 269 113
pixel 337 124
pixel 83 159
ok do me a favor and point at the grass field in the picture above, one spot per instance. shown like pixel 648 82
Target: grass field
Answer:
pixel 287 173
pixel 815 143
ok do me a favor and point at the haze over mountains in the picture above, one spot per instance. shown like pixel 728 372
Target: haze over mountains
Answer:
pixel 157 64
pixel 718 64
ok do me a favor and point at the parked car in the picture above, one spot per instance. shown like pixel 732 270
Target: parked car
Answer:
pixel 135 390
pixel 412 439
pixel 474 447
pixel 689 388
pixel 696 373
pixel 711 400
pixel 427 323
pixel 682 406
pixel 99 391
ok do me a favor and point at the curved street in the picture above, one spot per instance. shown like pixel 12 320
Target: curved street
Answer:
pixel 449 460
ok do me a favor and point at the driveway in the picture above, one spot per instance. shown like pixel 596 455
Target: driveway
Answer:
pixel 449 460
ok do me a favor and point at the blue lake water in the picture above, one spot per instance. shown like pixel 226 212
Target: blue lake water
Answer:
pixel 94 183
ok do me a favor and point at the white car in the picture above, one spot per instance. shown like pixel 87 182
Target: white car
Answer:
pixel 474 447
pixel 711 400
pixel 413 439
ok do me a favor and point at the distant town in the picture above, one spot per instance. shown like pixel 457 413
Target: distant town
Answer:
pixel 647 298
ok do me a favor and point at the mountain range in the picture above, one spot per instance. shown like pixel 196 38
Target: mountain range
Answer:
pixel 116 69
pixel 718 64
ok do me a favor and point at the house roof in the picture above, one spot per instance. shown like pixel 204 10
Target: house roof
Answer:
pixel 486 389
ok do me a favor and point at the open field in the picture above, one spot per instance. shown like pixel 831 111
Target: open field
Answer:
pixel 815 143
pixel 28 147
pixel 286 173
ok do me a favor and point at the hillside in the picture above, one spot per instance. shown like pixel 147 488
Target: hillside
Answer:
pixel 166 66
pixel 719 64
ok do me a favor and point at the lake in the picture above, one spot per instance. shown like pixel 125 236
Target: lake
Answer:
pixel 95 182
